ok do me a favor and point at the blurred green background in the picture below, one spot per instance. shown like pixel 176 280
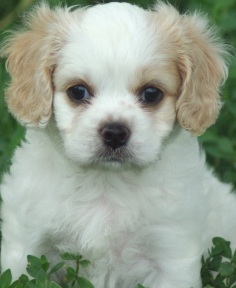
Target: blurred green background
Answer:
pixel 219 141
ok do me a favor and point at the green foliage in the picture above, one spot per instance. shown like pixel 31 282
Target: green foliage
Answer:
pixel 40 274
pixel 219 268
pixel 10 131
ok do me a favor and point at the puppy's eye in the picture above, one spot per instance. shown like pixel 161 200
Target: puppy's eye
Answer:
pixel 78 93
pixel 151 95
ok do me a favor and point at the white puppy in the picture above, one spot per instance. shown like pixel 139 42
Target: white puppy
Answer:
pixel 112 96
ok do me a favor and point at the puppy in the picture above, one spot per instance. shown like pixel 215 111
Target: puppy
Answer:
pixel 113 97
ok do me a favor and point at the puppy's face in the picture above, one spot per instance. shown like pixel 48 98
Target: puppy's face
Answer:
pixel 115 89
pixel 115 78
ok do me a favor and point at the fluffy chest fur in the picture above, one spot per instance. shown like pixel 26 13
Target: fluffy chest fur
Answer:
pixel 90 206
pixel 116 218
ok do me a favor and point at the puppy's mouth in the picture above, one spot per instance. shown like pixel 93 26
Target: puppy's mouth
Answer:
pixel 108 155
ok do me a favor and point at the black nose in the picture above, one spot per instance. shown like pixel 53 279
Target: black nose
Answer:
pixel 115 135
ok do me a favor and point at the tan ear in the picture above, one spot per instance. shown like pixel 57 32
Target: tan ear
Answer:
pixel 31 58
pixel 203 69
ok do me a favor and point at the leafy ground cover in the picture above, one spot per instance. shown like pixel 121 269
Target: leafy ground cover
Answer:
pixel 218 270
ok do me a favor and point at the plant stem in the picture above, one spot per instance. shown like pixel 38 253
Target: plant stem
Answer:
pixel 77 272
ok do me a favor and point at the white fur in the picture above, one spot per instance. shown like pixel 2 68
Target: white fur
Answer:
pixel 146 220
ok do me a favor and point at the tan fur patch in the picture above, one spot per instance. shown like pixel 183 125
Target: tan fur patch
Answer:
pixel 200 58
pixel 31 57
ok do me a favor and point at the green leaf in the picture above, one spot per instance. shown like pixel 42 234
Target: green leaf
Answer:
pixel 226 269
pixel 31 284
pixel 53 285
pixel 71 271
pixel 85 263
pixel 232 279
pixel 44 263
pixel 234 258
pixel 21 282
pixel 69 256
pixel 34 265
pixel 215 263
pixel 220 282
pixel 71 274
pixel 47 284
pixel 5 279
pixel 23 279
pixel 222 247
pixel 84 283
pixel 41 277
pixel 16 284
pixel 217 251
pixel 140 286
pixel 55 268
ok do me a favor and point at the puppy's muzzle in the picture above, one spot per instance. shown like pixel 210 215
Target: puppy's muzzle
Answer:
pixel 115 135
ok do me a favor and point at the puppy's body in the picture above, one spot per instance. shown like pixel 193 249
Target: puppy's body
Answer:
pixel 135 226
pixel 113 176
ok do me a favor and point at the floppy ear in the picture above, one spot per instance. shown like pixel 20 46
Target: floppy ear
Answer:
pixel 202 66
pixel 31 57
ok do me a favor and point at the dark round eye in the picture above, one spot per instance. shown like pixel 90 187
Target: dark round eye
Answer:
pixel 151 95
pixel 78 93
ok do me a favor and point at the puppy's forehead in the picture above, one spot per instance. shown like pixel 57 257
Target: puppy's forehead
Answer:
pixel 123 14
pixel 114 21
pixel 112 28
pixel 110 40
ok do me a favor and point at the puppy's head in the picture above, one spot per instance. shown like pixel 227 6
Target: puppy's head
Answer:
pixel 116 78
